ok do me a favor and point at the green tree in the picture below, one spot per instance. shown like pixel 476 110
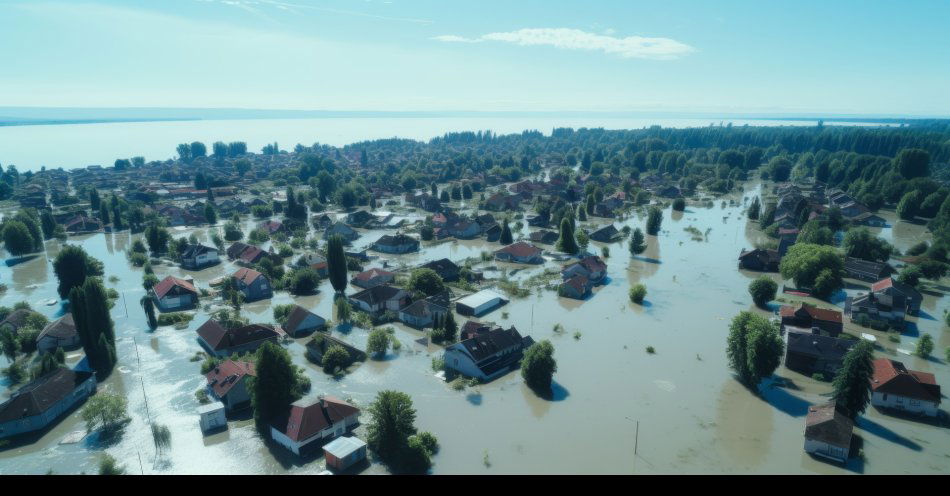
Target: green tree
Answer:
pixel 638 293
pixel 910 275
pixel 755 209
pixel 336 263
pixel 94 199
pixel 106 411
pixel 72 266
pixel 913 162
pixel 753 347
pixel 343 310
pixel 378 343
pixel 109 466
pixel 149 308
pixel 506 238
pixel 852 384
pixel 426 281
pixel 909 205
pixel 157 237
pixel 679 205
pixel 274 388
pixel 814 233
pixel 48 224
pixel 805 262
pixel 335 358
pixel 538 366
pixel 763 290
pixel 925 346
pixel 210 215
pixel 17 238
pixel 654 221
pixel 566 241
pixel 637 242
pixel 392 421
pixel 860 243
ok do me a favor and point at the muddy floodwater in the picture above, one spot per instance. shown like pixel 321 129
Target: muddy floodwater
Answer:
pixel 680 408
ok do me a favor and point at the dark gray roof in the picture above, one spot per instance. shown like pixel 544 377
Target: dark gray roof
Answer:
pixel 825 347
pixel 41 394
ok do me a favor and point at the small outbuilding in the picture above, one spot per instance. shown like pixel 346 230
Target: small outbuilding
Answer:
pixel 479 303
pixel 344 452
pixel 212 417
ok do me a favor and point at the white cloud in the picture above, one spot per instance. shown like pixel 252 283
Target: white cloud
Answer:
pixel 575 39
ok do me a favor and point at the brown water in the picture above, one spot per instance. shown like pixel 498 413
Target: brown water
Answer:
pixel 693 416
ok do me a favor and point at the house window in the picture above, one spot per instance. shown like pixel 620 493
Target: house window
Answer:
pixel 914 403
pixel 898 399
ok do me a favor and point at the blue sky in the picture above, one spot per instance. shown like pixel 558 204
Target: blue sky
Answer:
pixel 841 56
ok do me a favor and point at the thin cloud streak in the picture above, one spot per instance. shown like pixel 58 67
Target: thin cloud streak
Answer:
pixel 575 39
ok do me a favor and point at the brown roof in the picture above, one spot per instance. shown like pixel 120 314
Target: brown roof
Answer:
pixel 61 328
pixel 828 424
pixel 220 338
pixel 521 249
pixel 247 276
pixel 815 312
pixel 306 419
pixel 163 287
pixel 42 394
pixel 296 317
pixel 893 377
pixel 227 374
pixel 370 274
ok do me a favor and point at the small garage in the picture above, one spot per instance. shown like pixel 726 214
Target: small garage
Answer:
pixel 479 303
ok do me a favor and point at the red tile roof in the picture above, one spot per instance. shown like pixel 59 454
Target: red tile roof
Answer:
pixel 815 312
pixel 370 274
pixel 247 276
pixel 885 283
pixel 521 249
pixel 892 377
pixel 170 282
pixel 305 421
pixel 227 374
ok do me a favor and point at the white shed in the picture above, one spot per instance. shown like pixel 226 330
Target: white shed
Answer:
pixel 479 303
pixel 212 416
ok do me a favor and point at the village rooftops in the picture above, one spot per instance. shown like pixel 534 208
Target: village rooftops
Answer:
pixel 246 275
pixel 166 285
pixel 228 373
pixel 814 312
pixel 521 250
pixel 893 377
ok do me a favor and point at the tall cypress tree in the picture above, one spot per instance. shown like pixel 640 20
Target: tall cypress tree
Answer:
pixel 852 385
pixel 506 238
pixel 272 390
pixel 336 263
pixel 566 243
pixel 149 308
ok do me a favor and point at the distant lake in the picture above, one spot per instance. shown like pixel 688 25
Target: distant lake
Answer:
pixel 78 145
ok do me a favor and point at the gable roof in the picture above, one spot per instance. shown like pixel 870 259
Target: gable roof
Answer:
pixel 38 396
pixel 246 275
pixel 893 377
pixel 228 373
pixel 166 285
pixel 61 328
pixel 828 424
pixel 219 338
pixel 297 316
pixel 305 419
pixel 485 344
pixel 814 312
pixel 521 250
pixel 379 294
pixel 368 275
pixel 815 345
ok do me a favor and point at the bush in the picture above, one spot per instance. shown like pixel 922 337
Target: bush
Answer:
pixel 638 293
pixel 167 319
pixel 335 359
pixel 679 204
pixel 106 411
pixel 378 343
pixel 763 290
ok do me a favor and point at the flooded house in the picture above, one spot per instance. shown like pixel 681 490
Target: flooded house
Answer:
pixel 320 343
pixel 396 244
pixel 347 233
pixel 480 303
pixel 446 269
pixel 60 333
pixel 544 237
pixel 606 234
pixel 301 321
pixel 221 342
pixel 273 227
pixel 307 423
pixel 866 270
pixel 254 285
pixel 41 402
pixel 372 277
pixel 198 256
pixel 249 254
pixel 760 260
pixel 379 299
pixel 520 252
pixel 888 306
pixel 173 294
pixel 828 432
pixel 82 224
pixel 809 317
pixel 593 268
pixel 360 218
pixel 576 286
pixel 488 354
pixel 227 383
pixel 422 313
pixel 808 352
pixel 896 387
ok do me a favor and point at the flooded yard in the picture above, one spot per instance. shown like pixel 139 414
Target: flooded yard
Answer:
pixel 680 408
